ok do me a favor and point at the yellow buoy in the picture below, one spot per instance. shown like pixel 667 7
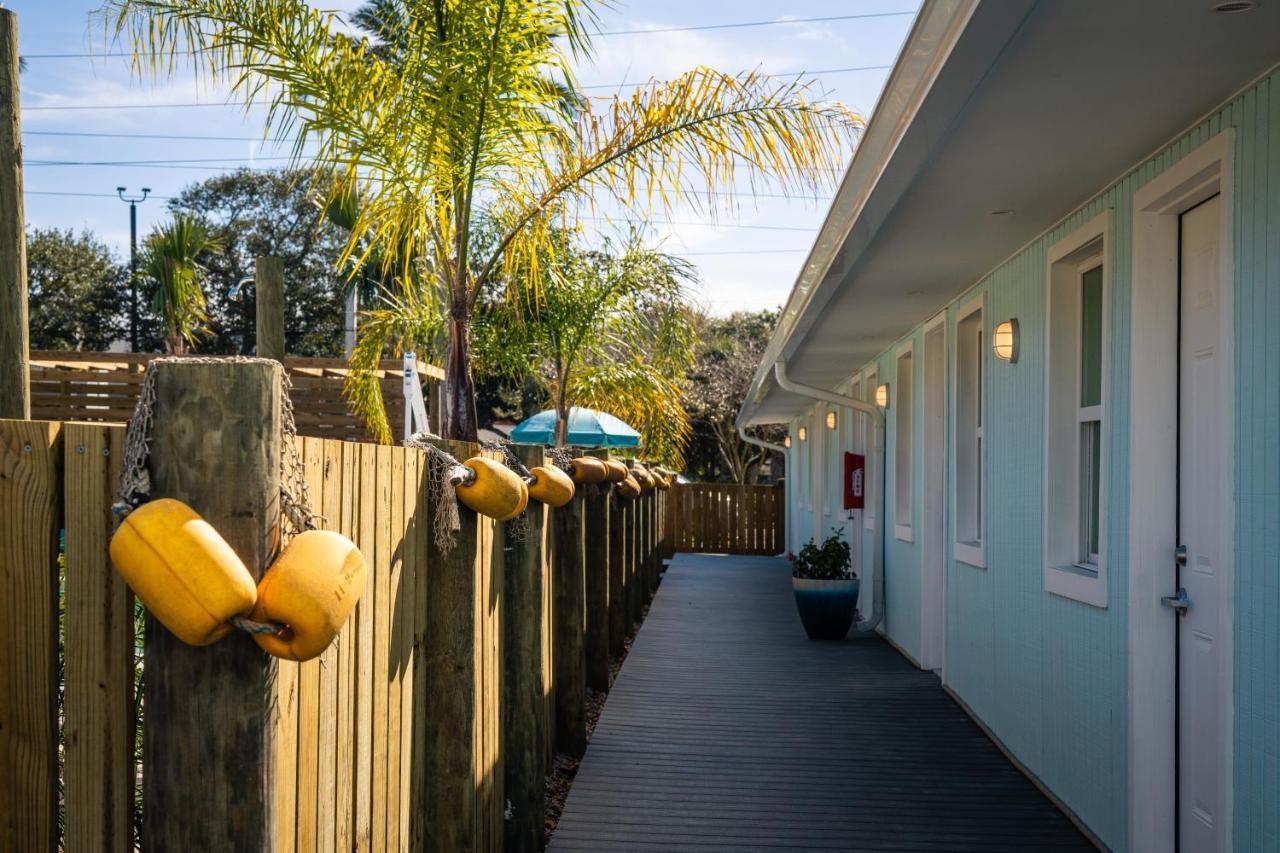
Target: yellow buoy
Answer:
pixel 588 469
pixel 496 491
pixel 311 590
pixel 615 471
pixel 182 570
pixel 550 485
pixel 643 477
pixel 629 487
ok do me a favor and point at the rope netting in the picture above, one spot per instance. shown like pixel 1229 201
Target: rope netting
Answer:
pixel 135 475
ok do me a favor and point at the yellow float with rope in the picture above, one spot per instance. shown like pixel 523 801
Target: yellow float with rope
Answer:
pixel 309 592
pixel 628 488
pixel 643 477
pixel 549 484
pixel 493 489
pixel 616 471
pixel 587 470
pixel 182 571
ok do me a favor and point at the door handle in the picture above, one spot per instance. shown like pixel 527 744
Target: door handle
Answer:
pixel 1180 602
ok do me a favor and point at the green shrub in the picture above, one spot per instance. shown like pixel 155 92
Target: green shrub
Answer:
pixel 829 561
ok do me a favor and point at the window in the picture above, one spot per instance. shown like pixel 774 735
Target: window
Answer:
pixel 970 429
pixel 1075 416
pixel 1090 412
pixel 900 405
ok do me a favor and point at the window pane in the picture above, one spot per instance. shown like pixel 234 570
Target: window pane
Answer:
pixel 1090 482
pixel 1091 337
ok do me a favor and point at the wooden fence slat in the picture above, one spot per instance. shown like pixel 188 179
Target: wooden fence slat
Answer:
pixel 363 688
pixel 98 705
pixel 324 481
pixel 30 517
pixel 348 659
pixel 380 685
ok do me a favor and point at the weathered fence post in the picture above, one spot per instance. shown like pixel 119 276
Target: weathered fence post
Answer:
pixel 15 387
pixel 617 573
pixel 268 285
pixel 634 593
pixel 208 742
pixel 569 582
pixel 596 526
pixel 525 697
pixel 458 807
pixel 30 518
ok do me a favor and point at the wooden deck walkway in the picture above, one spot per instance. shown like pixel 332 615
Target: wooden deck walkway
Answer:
pixel 728 730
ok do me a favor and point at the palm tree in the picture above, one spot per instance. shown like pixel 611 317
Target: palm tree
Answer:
pixel 457 113
pixel 177 279
pixel 605 331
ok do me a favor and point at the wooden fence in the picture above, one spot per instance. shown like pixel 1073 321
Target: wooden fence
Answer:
pixel 103 386
pixel 725 518
pixel 392 740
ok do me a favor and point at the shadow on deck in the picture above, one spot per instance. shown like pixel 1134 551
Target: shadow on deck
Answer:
pixel 728 730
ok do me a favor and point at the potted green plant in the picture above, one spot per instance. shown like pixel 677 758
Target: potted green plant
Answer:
pixel 825 588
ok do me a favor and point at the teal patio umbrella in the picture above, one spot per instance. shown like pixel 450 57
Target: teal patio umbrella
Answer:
pixel 587 428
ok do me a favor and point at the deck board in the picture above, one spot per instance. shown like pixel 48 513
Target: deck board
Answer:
pixel 728 730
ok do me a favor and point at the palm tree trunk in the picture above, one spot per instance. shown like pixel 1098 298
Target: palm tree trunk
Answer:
pixel 562 421
pixel 459 409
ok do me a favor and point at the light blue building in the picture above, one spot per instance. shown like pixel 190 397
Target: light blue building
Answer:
pixel 1056 256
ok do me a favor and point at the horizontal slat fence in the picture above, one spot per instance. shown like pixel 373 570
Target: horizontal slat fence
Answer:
pixel 96 386
pixel 357 730
pixel 725 518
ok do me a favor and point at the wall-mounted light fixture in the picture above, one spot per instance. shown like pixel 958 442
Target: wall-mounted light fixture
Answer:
pixel 831 420
pixel 804 433
pixel 786 441
pixel 882 396
pixel 1006 340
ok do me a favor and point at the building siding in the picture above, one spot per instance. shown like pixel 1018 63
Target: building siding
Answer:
pixel 1046 674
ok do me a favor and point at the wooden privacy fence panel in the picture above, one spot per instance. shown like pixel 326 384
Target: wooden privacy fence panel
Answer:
pixel 725 518
pixel 95 386
pixel 393 739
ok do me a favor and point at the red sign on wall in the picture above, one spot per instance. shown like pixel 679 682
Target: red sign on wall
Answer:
pixel 855 481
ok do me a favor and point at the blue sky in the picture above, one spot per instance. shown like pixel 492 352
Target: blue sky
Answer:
pixel 747 259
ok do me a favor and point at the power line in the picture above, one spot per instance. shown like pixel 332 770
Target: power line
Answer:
pixel 826 19
pixel 105 135
pixel 84 195
pixel 206 104
pixel 232 161
pixel 746 252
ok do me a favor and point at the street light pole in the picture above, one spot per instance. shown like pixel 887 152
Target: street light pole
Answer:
pixel 133 202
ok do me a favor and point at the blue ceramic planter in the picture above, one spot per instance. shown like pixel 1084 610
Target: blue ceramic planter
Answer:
pixel 826 607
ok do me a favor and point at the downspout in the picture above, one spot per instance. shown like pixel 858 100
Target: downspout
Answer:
pixel 876 416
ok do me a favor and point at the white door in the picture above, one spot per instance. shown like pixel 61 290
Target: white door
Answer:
pixel 1202 742
pixel 933 487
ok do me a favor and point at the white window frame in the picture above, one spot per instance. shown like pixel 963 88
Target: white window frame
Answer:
pixel 904 532
pixel 971 552
pixel 870 382
pixel 1065 572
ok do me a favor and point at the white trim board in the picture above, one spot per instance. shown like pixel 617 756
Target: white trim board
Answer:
pixel 969 553
pixel 1061 476
pixel 1153 461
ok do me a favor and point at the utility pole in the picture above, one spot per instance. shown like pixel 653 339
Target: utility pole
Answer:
pixel 133 202
pixel 15 389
